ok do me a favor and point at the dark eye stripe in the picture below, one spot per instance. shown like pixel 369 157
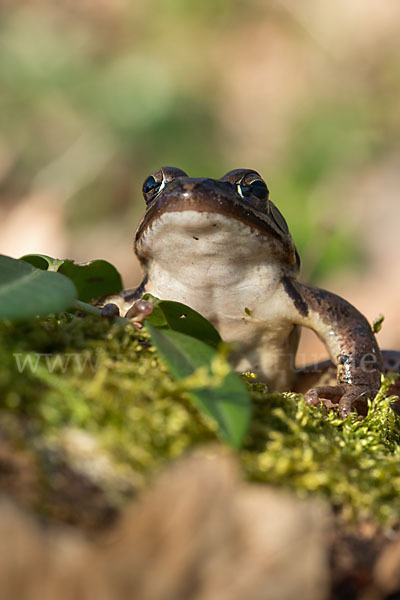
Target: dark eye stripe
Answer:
pixel 278 218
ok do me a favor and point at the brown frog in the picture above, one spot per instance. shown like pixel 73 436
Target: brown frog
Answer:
pixel 223 248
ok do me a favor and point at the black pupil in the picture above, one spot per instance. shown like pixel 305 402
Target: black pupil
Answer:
pixel 258 189
pixel 150 185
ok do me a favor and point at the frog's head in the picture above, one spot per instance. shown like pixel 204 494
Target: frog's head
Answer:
pixel 232 216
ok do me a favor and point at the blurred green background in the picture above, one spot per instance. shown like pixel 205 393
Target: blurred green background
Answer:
pixel 95 95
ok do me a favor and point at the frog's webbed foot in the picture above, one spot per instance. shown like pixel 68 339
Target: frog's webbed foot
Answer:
pixel 344 397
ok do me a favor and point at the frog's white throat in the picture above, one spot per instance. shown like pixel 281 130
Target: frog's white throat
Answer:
pixel 192 254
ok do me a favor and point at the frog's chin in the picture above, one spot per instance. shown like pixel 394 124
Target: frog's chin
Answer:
pixel 194 236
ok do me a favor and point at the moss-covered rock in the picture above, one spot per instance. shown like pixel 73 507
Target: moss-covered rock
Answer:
pixel 92 413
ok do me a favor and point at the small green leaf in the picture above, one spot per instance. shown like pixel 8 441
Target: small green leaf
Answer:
pixel 26 291
pixel 228 403
pixel 180 317
pixel 247 311
pixel 377 324
pixel 92 279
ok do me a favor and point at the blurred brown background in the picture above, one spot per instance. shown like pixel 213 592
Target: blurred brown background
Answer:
pixel 95 95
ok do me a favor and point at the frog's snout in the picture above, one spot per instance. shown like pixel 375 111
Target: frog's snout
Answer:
pixel 202 191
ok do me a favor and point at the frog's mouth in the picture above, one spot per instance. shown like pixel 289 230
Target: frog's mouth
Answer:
pixel 207 214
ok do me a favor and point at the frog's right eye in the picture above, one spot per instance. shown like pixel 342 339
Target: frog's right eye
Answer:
pixel 151 188
pixel 149 184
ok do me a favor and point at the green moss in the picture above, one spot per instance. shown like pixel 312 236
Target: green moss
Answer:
pixel 353 463
pixel 88 375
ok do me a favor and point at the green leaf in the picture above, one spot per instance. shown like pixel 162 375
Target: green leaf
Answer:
pixel 26 291
pixel 42 261
pixel 377 324
pixel 228 403
pixel 180 317
pixel 92 279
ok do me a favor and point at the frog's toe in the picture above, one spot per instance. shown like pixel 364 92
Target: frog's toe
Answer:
pixel 109 311
pixel 343 397
pixel 328 395
pixel 356 397
pixel 331 396
pixel 140 310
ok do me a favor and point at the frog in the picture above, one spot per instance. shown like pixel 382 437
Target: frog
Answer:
pixel 223 248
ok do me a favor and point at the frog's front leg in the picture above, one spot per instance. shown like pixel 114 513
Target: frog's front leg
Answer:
pixel 349 340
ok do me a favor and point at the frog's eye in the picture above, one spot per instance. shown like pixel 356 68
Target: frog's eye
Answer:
pixel 151 188
pixel 149 184
pixel 278 218
pixel 257 188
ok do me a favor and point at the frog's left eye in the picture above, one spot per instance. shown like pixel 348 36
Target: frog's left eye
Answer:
pixel 151 188
pixel 257 188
